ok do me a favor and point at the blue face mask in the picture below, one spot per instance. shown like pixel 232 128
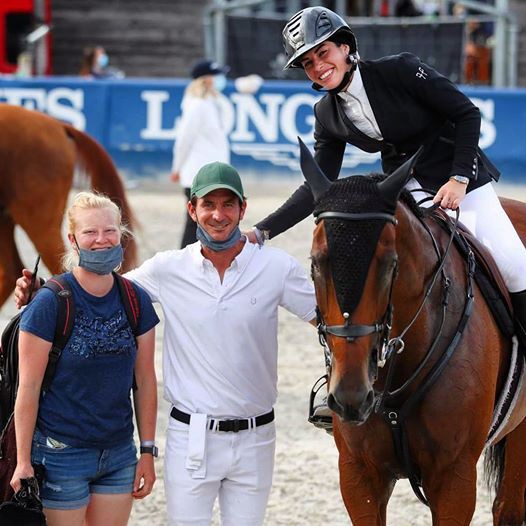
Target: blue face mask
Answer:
pixel 101 261
pixel 103 60
pixel 217 246
pixel 219 82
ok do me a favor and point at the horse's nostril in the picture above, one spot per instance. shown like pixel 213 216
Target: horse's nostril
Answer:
pixel 332 403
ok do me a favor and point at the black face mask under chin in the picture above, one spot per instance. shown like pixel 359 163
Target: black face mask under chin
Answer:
pixel 346 78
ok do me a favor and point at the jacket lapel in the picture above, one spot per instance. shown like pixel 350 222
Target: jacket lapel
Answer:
pixel 349 132
pixel 374 100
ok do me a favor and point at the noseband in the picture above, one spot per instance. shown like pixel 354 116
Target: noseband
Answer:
pixel 348 330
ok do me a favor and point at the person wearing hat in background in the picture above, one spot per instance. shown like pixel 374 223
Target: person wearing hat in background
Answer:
pixel 394 105
pixel 220 299
pixel 200 134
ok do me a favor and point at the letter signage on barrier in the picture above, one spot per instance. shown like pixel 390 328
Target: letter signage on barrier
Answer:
pixel 136 121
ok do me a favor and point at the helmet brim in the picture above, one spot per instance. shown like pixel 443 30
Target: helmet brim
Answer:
pixel 293 61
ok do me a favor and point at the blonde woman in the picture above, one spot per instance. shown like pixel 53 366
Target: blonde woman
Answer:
pixel 81 429
pixel 201 137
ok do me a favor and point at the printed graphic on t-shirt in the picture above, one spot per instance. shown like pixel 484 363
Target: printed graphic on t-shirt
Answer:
pixel 96 336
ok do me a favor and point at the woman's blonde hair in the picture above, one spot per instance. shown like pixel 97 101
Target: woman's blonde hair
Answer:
pixel 201 88
pixel 89 201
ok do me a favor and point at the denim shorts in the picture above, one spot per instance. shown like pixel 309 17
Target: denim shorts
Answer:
pixel 72 474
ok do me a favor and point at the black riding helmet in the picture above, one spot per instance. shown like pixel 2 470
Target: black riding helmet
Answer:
pixel 309 28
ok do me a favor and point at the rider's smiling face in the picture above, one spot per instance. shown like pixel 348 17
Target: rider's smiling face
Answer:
pixel 326 64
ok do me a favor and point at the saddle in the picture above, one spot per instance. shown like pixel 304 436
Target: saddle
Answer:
pixel 510 407
pixel 487 275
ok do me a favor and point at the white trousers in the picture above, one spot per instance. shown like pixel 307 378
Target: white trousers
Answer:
pixel 237 469
pixel 482 213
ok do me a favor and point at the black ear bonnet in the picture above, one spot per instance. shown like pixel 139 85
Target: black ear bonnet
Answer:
pixel 352 243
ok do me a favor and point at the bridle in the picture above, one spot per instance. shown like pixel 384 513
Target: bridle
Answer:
pixel 384 346
pixel 348 330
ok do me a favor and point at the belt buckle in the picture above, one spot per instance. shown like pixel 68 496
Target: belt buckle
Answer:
pixel 234 425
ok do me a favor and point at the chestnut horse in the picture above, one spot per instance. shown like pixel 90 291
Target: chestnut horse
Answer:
pixel 416 358
pixel 38 155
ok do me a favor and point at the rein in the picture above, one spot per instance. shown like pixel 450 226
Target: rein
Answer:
pixel 395 417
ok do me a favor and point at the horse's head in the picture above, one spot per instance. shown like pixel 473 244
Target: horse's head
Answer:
pixel 354 264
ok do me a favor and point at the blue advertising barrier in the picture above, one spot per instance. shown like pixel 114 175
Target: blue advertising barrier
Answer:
pixel 135 121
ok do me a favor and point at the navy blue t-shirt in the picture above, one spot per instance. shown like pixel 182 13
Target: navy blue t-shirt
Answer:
pixel 89 401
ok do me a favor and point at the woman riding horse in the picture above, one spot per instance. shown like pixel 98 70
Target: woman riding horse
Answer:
pixel 393 105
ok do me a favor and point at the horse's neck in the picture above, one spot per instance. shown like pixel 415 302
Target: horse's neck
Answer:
pixel 417 265
pixel 417 258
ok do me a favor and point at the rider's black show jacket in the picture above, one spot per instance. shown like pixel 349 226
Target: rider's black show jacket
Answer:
pixel 413 105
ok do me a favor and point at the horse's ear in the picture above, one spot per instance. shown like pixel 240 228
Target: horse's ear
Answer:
pixel 315 178
pixel 392 185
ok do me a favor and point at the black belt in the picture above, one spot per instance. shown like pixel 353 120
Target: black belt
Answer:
pixel 227 425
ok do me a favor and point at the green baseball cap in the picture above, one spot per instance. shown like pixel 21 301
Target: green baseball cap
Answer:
pixel 214 176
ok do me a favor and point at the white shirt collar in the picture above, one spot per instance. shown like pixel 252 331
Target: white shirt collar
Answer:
pixel 355 87
pixel 238 263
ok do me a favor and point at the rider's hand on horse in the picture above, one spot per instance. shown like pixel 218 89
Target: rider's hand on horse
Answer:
pixel 450 195
pixel 22 288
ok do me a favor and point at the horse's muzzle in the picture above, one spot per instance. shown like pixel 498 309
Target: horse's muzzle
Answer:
pixel 352 407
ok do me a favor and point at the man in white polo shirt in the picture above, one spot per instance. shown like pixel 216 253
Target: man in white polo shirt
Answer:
pixel 220 298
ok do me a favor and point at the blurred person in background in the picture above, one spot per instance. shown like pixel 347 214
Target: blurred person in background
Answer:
pixel 477 53
pixel 200 137
pixel 95 64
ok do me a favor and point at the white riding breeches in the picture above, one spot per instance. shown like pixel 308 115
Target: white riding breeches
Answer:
pixel 237 468
pixel 482 213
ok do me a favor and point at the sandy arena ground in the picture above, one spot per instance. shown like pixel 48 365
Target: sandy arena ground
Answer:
pixel 305 489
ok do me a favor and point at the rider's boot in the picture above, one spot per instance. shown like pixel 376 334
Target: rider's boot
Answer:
pixel 518 299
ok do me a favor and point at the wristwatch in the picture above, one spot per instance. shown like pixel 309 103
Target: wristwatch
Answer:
pixel 460 179
pixel 261 235
pixel 148 446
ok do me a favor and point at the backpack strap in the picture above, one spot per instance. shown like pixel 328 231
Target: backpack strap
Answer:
pixel 130 300
pixel 65 319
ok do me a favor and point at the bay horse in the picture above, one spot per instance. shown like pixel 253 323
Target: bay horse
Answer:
pixel 416 358
pixel 38 155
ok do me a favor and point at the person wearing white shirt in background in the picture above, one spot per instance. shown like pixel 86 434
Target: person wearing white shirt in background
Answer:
pixel 220 299
pixel 200 135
